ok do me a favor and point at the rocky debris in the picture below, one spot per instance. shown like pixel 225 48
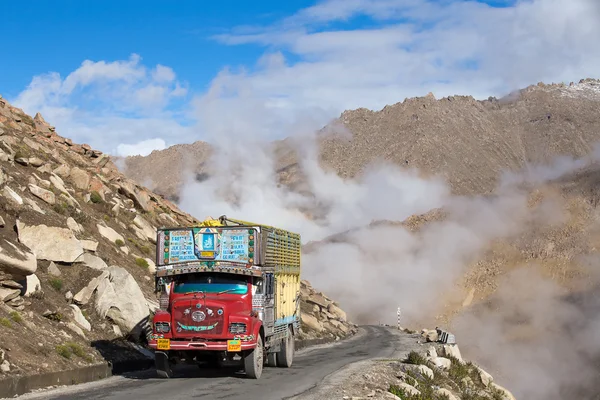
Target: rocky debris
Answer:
pixel 17 259
pixel 53 269
pixel 145 230
pixel 32 286
pixel 320 316
pixel 92 261
pixel 415 375
pixel 43 194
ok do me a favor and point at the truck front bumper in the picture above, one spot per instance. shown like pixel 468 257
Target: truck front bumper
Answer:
pixel 211 345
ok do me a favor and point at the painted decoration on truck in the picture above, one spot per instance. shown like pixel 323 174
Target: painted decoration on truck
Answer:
pixel 209 244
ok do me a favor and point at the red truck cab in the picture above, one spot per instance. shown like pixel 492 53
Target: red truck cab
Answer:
pixel 208 315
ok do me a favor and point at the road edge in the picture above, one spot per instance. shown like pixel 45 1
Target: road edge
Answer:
pixel 11 387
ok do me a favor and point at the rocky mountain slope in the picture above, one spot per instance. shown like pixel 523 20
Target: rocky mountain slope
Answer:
pixel 466 141
pixel 77 248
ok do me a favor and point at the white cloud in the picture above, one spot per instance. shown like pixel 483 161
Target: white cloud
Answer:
pixel 318 64
pixel 119 106
pixel 448 48
pixel 163 74
pixel 142 148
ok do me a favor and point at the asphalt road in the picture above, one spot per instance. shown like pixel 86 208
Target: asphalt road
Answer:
pixel 310 368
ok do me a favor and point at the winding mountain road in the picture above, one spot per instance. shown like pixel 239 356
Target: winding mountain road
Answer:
pixel 311 367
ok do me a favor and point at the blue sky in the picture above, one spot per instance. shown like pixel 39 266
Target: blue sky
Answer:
pixel 271 63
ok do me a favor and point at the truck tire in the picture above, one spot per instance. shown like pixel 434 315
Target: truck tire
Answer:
pixel 271 359
pixel 162 364
pixel 253 360
pixel 285 356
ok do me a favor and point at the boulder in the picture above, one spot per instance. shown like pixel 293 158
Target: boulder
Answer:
pixel 50 243
pixel 7 294
pixel 43 194
pixel 318 299
pixel 441 362
pixel 80 178
pixel 79 318
pixel 311 322
pixel 35 162
pixel 63 171
pixel 92 261
pixel 486 379
pixel 452 350
pixel 73 225
pixel 425 371
pixel 337 312
pixel 32 285
pixel 148 230
pixel 151 265
pixel 109 233
pixel 141 198
pixel 89 245
pixel 408 389
pixel 53 270
pixel 17 259
pixel 84 296
pixel 120 297
pixel 12 195
pixel 432 352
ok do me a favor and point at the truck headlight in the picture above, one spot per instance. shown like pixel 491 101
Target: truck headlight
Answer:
pixel 237 327
pixel 162 327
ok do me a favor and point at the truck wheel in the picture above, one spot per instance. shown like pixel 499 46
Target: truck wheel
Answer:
pixel 271 359
pixel 163 366
pixel 285 356
pixel 253 360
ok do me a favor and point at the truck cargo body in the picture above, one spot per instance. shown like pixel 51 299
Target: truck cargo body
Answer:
pixel 225 291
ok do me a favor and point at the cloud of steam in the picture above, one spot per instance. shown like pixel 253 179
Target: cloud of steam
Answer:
pixel 373 269
pixel 535 338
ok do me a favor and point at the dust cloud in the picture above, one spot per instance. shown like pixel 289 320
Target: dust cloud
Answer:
pixel 372 269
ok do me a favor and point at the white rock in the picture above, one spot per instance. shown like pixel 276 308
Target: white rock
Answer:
pixel 148 230
pixel 53 269
pixel 32 285
pixel 7 294
pixel 92 261
pixel 35 206
pixel 75 328
pixel 5 366
pixel 452 350
pixel 16 259
pixel 424 370
pixel 50 243
pixel 12 195
pixel 432 352
pixel 312 322
pixel 441 362
pixel 80 178
pixel 73 225
pixel 151 265
pixel 109 233
pixel 486 379
pixel 89 245
pixel 80 319
pixel 411 390
pixel 124 249
pixel 84 296
pixel 69 296
pixel 119 294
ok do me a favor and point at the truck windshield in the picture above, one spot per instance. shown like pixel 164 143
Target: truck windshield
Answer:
pixel 210 284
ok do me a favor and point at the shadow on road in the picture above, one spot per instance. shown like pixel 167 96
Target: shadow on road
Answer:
pixel 189 371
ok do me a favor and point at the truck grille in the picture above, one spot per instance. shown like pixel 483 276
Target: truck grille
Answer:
pixel 189 319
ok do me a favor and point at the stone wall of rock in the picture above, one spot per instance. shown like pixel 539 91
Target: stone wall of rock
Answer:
pixel 321 316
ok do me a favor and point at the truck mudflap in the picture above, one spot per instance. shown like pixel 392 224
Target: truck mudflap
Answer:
pixel 231 345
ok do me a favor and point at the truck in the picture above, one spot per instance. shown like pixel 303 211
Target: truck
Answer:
pixel 228 292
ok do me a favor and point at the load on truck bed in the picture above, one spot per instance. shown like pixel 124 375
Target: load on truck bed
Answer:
pixel 229 292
